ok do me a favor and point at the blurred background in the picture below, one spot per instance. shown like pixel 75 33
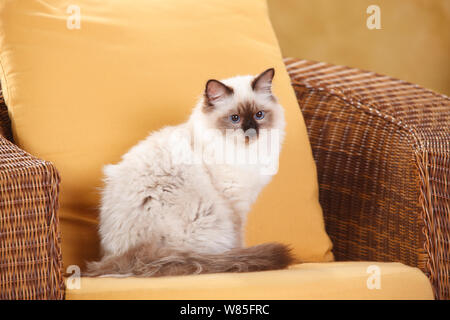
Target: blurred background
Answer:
pixel 413 43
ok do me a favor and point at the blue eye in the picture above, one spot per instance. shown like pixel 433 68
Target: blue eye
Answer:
pixel 235 118
pixel 259 115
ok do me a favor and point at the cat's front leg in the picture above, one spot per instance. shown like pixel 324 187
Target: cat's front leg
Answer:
pixel 240 212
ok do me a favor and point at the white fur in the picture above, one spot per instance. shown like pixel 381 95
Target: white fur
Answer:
pixel 200 207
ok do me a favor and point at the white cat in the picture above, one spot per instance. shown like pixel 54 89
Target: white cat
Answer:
pixel 175 205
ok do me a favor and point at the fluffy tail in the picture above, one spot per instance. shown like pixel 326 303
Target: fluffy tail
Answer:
pixel 147 261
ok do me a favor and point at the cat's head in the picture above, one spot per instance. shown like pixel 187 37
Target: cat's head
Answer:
pixel 242 103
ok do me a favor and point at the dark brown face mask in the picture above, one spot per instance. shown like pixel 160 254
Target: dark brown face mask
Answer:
pixel 248 121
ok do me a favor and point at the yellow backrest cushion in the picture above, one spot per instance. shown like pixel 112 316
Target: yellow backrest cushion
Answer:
pixel 81 94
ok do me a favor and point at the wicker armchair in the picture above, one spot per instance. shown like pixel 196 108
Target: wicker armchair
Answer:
pixel 382 148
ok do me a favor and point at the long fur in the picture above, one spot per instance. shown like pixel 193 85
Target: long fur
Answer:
pixel 150 261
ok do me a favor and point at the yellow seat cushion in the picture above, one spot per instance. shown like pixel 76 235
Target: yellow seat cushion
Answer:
pixel 85 81
pixel 334 280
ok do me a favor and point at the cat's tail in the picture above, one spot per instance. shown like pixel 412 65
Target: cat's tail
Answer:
pixel 147 261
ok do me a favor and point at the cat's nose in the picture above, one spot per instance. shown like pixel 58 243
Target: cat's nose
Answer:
pixel 250 124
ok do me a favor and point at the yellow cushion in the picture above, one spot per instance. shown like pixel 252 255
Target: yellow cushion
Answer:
pixel 336 280
pixel 81 97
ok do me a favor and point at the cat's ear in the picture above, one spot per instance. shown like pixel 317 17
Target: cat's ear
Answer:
pixel 216 91
pixel 263 82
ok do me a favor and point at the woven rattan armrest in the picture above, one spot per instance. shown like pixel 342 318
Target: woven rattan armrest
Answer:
pixel 30 254
pixel 382 149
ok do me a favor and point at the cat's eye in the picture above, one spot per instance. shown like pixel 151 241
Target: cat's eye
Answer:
pixel 235 118
pixel 259 115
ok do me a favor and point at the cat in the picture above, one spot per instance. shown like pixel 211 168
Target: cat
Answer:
pixel 165 210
